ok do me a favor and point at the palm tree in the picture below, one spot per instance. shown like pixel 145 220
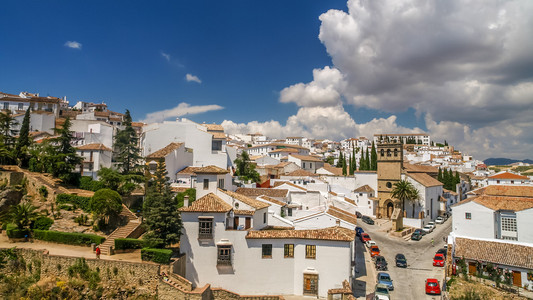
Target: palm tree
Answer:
pixel 21 215
pixel 404 190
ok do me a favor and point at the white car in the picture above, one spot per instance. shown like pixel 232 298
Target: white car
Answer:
pixel 432 224
pixel 370 244
pixel 427 229
pixel 439 220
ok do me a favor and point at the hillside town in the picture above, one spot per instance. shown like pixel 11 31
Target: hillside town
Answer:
pixel 212 215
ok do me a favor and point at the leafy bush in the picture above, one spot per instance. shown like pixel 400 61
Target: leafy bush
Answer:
pixel 43 191
pixel 68 207
pixel 81 219
pixel 180 197
pixel 106 203
pixel 81 269
pixel 42 223
pixel 161 256
pixel 77 201
pixel 14 232
pixel 70 238
pixel 87 183
pixel 122 244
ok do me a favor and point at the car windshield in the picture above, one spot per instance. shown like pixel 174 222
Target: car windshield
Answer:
pixel 384 277
pixel 400 256
pixel 382 290
pixel 427 226
pixel 375 249
pixel 439 257
pixel 432 284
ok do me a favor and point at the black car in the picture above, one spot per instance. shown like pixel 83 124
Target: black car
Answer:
pixel 358 214
pixel 368 220
pixel 401 261
pixel 416 236
pixel 419 231
pixel 381 263
pixel 442 251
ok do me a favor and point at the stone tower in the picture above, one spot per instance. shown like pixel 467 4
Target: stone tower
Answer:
pixel 390 164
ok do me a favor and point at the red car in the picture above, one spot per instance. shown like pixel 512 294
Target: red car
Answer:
pixel 374 250
pixel 438 260
pixel 432 286
pixel 365 237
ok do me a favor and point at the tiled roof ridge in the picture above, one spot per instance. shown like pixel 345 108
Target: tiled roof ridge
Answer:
pixel 208 203
pixel 249 201
pixel 163 152
pixel 336 233
pixel 94 146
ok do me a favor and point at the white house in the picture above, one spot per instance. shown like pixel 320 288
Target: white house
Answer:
pixel 508 178
pixel 306 162
pixel 418 213
pixel 265 149
pixel 95 156
pixel 294 140
pixel 365 199
pixel 332 216
pixel 204 179
pixel 252 259
pixel 175 156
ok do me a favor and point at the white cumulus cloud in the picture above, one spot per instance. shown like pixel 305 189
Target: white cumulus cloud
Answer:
pixel 181 110
pixel 73 45
pixel 190 77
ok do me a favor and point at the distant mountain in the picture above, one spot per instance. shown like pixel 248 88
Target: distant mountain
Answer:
pixel 504 161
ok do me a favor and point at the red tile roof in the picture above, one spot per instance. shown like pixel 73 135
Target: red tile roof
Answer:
pixel 306 158
pixel 98 147
pixel 254 192
pixel 208 203
pixel 508 175
pixel 500 253
pixel 501 202
pixel 364 189
pixel 342 214
pixel 425 179
pixel 328 234
pixel 203 170
pixel 247 200
pixel 301 173
pixel 505 190
pixel 163 152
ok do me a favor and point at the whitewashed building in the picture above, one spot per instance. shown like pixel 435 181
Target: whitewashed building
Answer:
pixel 94 157
pixel 204 179
pixel 175 156
pixel 508 178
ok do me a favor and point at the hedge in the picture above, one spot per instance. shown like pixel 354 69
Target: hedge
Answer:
pixel 13 232
pixel 70 238
pixel 42 223
pixel 161 256
pixel 77 201
pixel 123 244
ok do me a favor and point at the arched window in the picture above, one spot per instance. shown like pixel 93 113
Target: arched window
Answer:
pixel 388 152
pixel 395 152
pixel 382 152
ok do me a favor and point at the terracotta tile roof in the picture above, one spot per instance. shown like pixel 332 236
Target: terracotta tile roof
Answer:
pixel 306 158
pixel 501 253
pixel 293 185
pixel 365 171
pixel 364 189
pixel 163 152
pixel 283 164
pixel 203 170
pixel 279 145
pixel 294 137
pixel 99 147
pixel 505 190
pixel 425 179
pixel 218 135
pixel 301 173
pixel 247 200
pixel 272 200
pixel 328 234
pixel 244 212
pixel 449 191
pixel 350 201
pixel 334 170
pixel 208 203
pixel 255 192
pixel 176 189
pixel 415 168
pixel 342 214
pixel 501 202
pixel 508 175
pixel 137 124
pixel 213 127
pixel 442 199
pixel 290 150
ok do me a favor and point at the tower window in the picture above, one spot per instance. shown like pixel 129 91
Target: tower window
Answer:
pixel 382 152
pixel 388 153
pixel 395 152
pixel 389 185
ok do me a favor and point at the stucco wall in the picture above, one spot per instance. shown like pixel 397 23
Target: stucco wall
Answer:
pixel 481 225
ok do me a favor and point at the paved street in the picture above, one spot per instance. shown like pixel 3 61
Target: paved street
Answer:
pixel 408 282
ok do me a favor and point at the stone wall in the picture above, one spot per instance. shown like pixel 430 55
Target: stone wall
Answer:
pixel 143 276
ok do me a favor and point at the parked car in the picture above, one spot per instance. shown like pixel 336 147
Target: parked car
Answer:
pixel 358 214
pixel 442 251
pixel 370 244
pixel 381 292
pixel 439 220
pixel 358 231
pixel 438 260
pixel 384 278
pixel 368 220
pixel 432 286
pixel 432 224
pixel 381 263
pixel 427 229
pixel 401 261
pixel 374 251
pixel 365 237
pixel 416 236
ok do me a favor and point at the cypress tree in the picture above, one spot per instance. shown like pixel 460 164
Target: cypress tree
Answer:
pixel 350 165
pixel 445 143
pixel 344 166
pixel 374 158
pixel 439 177
pixel 24 141
pixel 362 160
pixel 126 146
pixel 367 160
pixel 64 160
pixel 457 178
pixel 339 161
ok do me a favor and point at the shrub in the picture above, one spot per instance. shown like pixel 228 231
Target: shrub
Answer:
pixel 87 183
pixel 42 223
pixel 43 191
pixel 106 203
pixel 161 256
pixel 77 201
pixel 81 219
pixel 70 238
pixel 14 232
pixel 122 244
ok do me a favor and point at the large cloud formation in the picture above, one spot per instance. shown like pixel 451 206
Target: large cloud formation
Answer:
pixel 467 67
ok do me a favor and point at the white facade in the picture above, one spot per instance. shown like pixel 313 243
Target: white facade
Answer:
pixel 428 203
pixel 94 160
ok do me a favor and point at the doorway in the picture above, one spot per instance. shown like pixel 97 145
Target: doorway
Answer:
pixel 311 284
pixel 390 209
pixel 517 278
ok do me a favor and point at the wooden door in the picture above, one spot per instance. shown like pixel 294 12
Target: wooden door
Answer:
pixel 248 223
pixel 310 284
pixel 235 222
pixel 472 268
pixel 517 278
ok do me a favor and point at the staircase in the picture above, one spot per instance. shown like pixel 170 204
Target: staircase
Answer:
pixel 121 232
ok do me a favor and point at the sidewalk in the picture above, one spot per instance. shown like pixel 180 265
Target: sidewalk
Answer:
pixel 69 250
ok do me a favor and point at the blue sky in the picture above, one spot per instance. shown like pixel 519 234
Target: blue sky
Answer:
pixel 337 69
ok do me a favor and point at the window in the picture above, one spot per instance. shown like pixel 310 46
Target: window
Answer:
pixel 216 145
pixel 389 185
pixel 512 181
pixel 288 250
pixel 395 152
pixel 266 251
pixel 497 181
pixel 21 106
pixel 310 251
pixel 382 152
pixel 6 105
pixel 264 217
pixel 508 224
pixel 303 165
pixel 224 255
pixel 221 183
pixel 468 216
pixel 206 184
pixel 388 153
pixel 361 194
pixel 205 228
pixel 289 212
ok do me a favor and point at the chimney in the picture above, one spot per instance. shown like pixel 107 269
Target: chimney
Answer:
pixel 338 222
pixel 186 201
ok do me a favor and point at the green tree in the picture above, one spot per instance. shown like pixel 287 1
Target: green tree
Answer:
pixel 21 215
pixel 439 177
pixel 367 160
pixel 344 171
pixel 105 204
pixel 123 184
pixel 64 158
pixel 362 163
pixel 24 141
pixel 445 143
pixel 180 197
pixel 339 161
pixel 161 215
pixel 127 152
pixel 405 191
pixel 330 160
pixel 7 134
pixel 245 169
pixel 374 158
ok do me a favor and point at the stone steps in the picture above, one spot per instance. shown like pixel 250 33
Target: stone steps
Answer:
pixel 119 233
